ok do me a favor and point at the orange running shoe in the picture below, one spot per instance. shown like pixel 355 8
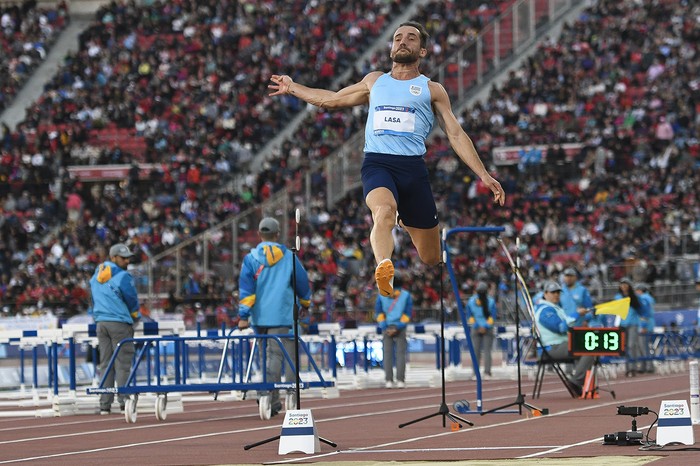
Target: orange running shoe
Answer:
pixel 384 275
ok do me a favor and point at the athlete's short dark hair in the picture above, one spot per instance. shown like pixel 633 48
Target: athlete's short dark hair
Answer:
pixel 424 36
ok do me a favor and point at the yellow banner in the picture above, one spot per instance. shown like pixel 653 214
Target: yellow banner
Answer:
pixel 618 307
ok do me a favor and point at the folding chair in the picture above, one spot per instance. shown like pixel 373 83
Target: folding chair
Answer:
pixel 545 361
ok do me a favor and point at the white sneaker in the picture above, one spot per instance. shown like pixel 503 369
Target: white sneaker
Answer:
pixel 400 384
pixel 389 385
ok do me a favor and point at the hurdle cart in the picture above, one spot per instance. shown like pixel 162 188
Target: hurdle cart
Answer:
pixel 162 366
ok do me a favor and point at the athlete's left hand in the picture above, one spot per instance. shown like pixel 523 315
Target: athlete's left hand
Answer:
pixel 499 196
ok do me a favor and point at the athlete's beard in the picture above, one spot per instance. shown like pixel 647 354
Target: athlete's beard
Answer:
pixel 410 57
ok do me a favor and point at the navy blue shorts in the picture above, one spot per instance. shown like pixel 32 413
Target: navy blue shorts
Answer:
pixel 407 179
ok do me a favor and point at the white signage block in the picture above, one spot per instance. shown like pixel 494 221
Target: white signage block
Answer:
pixel 674 423
pixel 299 433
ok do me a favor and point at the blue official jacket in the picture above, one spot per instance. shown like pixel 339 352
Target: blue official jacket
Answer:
pixel 265 286
pixel 648 322
pixel 552 323
pixel 575 297
pixel 635 315
pixel 394 311
pixel 114 296
pixel 475 311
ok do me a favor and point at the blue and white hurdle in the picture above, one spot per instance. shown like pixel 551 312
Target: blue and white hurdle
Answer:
pixel 59 344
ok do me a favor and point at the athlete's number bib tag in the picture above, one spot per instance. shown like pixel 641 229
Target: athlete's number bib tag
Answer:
pixel 394 120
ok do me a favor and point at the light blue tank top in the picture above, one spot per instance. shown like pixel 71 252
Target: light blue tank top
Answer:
pixel 400 116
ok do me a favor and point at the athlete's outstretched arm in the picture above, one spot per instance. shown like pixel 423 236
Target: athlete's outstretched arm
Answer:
pixel 350 96
pixel 460 141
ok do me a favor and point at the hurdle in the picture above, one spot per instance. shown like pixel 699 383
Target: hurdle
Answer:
pixel 32 340
pixel 324 336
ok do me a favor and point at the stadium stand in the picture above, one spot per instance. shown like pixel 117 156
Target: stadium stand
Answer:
pixel 27 33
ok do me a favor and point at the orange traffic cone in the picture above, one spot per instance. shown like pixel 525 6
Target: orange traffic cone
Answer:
pixel 589 389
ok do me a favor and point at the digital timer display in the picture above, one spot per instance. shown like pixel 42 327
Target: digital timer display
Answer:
pixel 590 341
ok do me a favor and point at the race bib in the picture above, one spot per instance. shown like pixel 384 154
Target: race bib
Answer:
pixel 389 119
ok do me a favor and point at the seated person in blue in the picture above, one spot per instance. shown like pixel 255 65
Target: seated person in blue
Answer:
pixel 553 327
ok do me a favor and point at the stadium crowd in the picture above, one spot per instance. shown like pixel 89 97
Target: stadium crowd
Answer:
pixel 621 81
pixel 27 32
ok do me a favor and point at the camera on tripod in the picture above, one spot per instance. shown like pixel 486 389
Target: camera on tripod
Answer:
pixel 633 411
pixel 633 437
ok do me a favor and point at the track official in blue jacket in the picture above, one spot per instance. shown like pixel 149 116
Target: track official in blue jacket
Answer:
pixel 115 308
pixel 631 324
pixel 553 326
pixel 267 299
pixel 577 302
pixel 646 326
pixel 393 315
pixel 482 313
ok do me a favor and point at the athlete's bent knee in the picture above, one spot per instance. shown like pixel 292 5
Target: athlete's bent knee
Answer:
pixel 384 215
pixel 430 257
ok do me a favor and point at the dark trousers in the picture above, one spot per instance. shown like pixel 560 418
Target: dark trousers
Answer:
pixel 399 344
pixel 276 361
pixel 560 352
pixel 109 334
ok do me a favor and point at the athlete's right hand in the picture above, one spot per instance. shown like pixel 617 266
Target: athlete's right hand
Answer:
pixel 280 84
